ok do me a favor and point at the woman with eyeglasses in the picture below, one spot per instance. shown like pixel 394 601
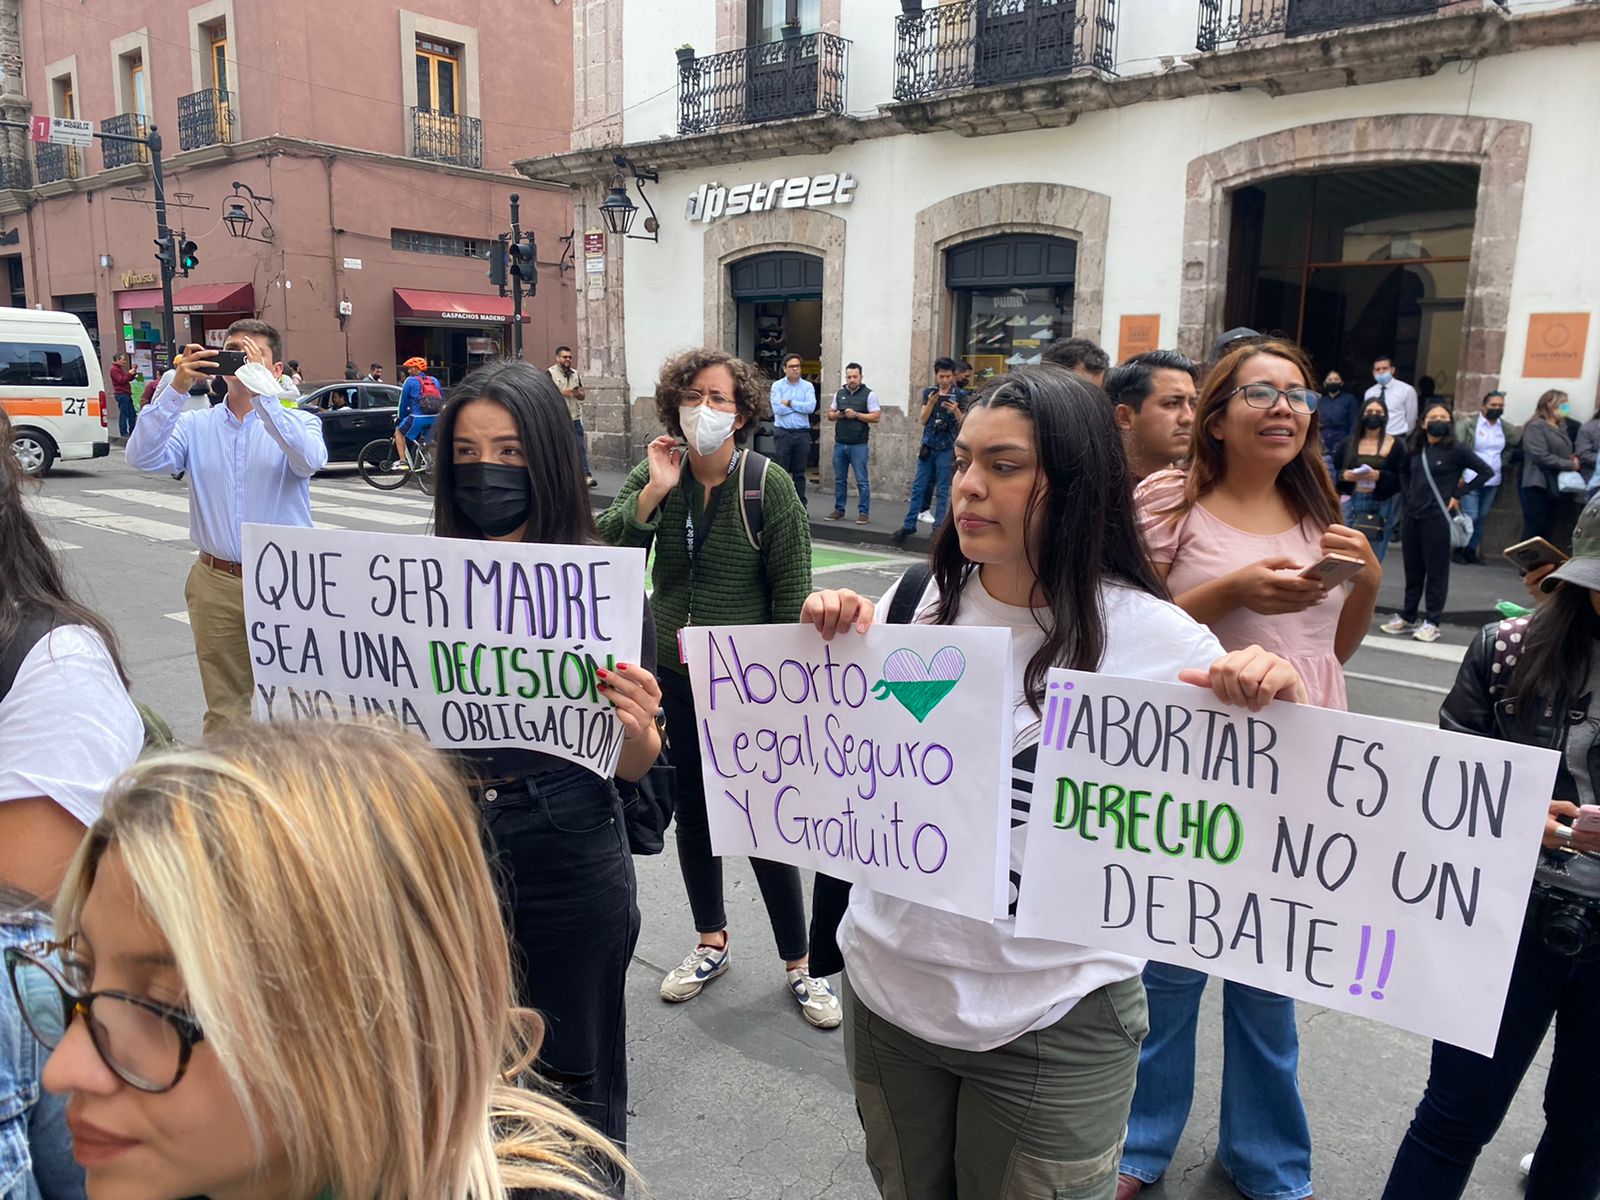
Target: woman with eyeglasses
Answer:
pixel 287 955
pixel 696 499
pixel 67 728
pixel 1242 540
pixel 1434 474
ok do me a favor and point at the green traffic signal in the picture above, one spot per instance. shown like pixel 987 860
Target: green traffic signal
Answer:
pixel 188 255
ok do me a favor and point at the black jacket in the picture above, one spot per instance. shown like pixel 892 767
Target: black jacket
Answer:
pixel 1389 476
pixel 1449 465
pixel 1477 704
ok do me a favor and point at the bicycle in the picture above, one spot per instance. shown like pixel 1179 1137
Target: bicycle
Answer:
pixel 379 466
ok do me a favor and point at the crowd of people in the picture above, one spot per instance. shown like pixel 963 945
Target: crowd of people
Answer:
pixel 329 961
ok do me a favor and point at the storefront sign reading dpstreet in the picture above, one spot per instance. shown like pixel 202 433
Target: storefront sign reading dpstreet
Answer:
pixel 468 643
pixel 1556 344
pixel 1138 335
pixel 803 191
pixel 1363 864
pixel 881 759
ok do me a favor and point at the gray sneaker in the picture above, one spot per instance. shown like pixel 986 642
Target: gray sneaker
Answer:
pixel 686 980
pixel 818 1005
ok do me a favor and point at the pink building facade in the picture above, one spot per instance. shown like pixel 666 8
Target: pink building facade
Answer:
pixel 369 146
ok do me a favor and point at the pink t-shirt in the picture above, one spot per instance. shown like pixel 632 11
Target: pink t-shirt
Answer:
pixel 1200 547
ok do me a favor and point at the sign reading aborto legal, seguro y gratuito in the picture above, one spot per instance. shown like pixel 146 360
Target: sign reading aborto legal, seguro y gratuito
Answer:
pixel 882 759
pixel 1368 865
pixel 469 643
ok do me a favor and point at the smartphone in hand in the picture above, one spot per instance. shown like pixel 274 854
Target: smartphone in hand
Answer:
pixel 1534 552
pixel 1588 819
pixel 1333 570
pixel 227 362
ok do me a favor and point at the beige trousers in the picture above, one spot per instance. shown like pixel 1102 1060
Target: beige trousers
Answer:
pixel 216 616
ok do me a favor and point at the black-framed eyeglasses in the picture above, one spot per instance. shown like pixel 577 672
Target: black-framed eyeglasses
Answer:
pixel 146 1044
pixel 1264 395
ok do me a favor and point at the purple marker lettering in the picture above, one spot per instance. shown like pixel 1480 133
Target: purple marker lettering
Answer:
pixel 1383 967
pixel 1361 966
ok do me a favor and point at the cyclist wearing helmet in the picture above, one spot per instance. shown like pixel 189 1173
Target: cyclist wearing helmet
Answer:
pixel 420 400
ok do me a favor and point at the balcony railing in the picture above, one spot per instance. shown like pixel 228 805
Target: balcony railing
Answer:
pixel 446 138
pixel 796 77
pixel 1229 22
pixel 122 154
pixel 52 163
pixel 14 172
pixel 206 119
pixel 976 43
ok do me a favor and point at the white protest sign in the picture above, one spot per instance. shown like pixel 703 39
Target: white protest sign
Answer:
pixel 470 643
pixel 1367 865
pixel 881 759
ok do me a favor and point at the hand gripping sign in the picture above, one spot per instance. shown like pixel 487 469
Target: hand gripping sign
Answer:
pixel 880 758
pixel 1367 865
pixel 470 643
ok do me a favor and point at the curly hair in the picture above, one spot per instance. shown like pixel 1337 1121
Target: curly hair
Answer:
pixel 751 388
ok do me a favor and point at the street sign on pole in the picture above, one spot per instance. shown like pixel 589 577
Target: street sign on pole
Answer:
pixel 61 131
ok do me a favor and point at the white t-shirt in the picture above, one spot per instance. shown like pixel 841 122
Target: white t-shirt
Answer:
pixel 67 726
pixel 975 985
pixel 1489 443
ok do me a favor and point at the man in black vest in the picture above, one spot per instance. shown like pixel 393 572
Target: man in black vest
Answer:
pixel 854 408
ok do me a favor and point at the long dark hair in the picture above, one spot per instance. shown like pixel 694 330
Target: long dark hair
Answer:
pixel 560 512
pixel 1303 483
pixel 32 585
pixel 1419 435
pixel 1353 442
pixel 1556 651
pixel 1091 534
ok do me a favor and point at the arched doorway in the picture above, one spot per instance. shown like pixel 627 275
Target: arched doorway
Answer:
pixel 777 298
pixel 1011 296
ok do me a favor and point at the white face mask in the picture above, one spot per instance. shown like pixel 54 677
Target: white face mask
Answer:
pixel 705 428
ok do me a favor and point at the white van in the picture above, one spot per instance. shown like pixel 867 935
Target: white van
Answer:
pixel 51 388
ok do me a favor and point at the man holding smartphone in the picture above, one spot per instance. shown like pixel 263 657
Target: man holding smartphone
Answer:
pixel 248 459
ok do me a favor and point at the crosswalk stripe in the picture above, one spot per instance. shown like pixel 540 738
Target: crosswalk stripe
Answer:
pixel 178 616
pixel 153 499
pixel 1387 644
pixel 340 514
pixel 371 495
pixel 61 547
pixel 97 518
pixel 378 516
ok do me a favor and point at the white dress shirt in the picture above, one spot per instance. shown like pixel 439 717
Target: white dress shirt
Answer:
pixel 255 470
pixel 1401 399
pixel 1489 443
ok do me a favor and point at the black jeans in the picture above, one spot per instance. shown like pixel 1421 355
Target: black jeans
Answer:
pixel 794 450
pixel 560 857
pixel 702 870
pixel 1468 1094
pixel 1538 511
pixel 1425 547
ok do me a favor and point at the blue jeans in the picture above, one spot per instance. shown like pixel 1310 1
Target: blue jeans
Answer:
pixel 583 448
pixel 35 1147
pixel 1477 505
pixel 934 471
pixel 1468 1094
pixel 1264 1140
pixel 127 415
pixel 851 458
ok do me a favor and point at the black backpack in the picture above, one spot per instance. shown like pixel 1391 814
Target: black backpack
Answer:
pixel 830 896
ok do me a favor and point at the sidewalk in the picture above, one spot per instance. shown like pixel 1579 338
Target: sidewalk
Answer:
pixel 1470 601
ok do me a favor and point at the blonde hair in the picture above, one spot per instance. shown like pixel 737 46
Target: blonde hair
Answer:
pixel 1549 406
pixel 325 895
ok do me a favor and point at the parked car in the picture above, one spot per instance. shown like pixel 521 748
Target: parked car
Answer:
pixel 352 414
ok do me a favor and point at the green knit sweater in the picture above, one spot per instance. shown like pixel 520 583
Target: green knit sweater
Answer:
pixel 731 585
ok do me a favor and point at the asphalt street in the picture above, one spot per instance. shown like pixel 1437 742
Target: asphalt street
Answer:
pixel 733 1095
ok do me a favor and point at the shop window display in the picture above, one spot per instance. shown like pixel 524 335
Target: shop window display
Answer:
pixel 1001 328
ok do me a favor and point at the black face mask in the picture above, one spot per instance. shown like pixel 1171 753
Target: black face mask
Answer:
pixel 1438 429
pixel 1373 420
pixel 1332 389
pixel 1491 414
pixel 494 497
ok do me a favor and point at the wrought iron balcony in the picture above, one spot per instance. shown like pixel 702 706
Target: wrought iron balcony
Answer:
pixel 52 163
pixel 976 43
pixel 1231 22
pixel 796 77
pixel 122 154
pixel 446 138
pixel 206 119
pixel 14 173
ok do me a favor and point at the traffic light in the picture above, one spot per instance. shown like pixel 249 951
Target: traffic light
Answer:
pixel 188 254
pixel 497 263
pixel 165 255
pixel 524 265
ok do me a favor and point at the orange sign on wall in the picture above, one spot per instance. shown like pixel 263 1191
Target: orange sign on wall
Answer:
pixel 1138 335
pixel 1556 344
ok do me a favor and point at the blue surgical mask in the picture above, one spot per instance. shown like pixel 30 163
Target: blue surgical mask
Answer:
pixel 1565 410
pixel 1383 376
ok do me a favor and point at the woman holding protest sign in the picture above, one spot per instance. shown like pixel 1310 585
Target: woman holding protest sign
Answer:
pixel 1534 680
pixel 1250 542
pixel 294 981
pixel 986 1064
pixel 732 547
pixel 508 471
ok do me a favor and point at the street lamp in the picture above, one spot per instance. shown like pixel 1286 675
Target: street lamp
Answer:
pixel 619 210
pixel 243 208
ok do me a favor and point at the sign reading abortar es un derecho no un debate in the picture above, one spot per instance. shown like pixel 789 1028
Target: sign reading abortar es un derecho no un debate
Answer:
pixel 1363 864
pixel 469 643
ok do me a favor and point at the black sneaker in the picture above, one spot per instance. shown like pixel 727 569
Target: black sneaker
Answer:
pixel 900 535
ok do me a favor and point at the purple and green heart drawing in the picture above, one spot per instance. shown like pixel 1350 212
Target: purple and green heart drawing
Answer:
pixel 918 685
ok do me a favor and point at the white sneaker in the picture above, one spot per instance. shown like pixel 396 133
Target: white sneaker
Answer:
pixel 1526 1165
pixel 689 978
pixel 925 517
pixel 1426 632
pixel 818 1005
pixel 1398 624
